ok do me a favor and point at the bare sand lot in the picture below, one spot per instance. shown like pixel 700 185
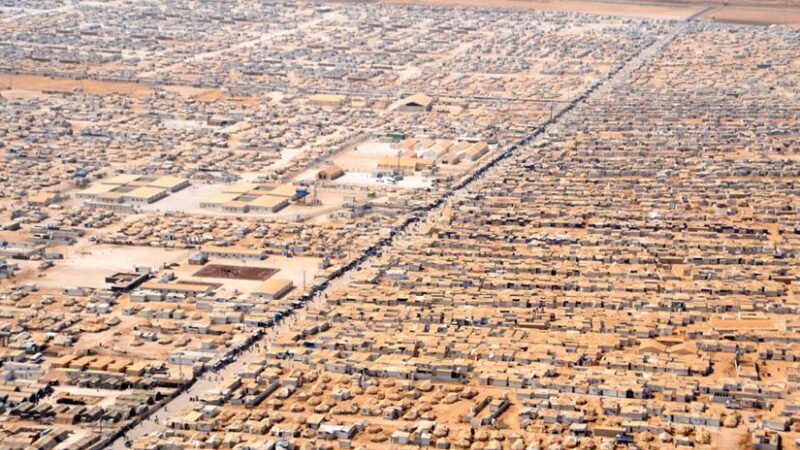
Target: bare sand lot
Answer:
pixel 43 83
pixel 755 16
pixel 90 267
pixel 648 11
pixel 97 87
pixel 734 3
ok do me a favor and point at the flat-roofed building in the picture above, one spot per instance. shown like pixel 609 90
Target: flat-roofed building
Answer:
pixel 331 172
pixel 240 188
pixel 21 250
pixel 268 203
pixel 121 179
pixel 274 288
pixel 219 199
pixel 144 194
pixel 236 206
pixel 171 183
pixel 44 198
pixel 252 197
pixel 476 151
pixel 132 189
pixel 287 191
pixel 95 190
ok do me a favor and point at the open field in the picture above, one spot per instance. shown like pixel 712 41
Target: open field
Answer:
pixel 762 4
pixel 56 84
pixel 92 86
pixel 90 267
pixel 754 16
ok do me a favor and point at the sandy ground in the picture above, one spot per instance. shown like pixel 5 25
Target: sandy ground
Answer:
pixel 754 16
pixel 42 83
pixel 90 267
pixel 648 11
pixel 186 200
pixel 735 3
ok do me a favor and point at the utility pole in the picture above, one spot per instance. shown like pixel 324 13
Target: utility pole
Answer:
pixel 397 173
pixel 314 201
